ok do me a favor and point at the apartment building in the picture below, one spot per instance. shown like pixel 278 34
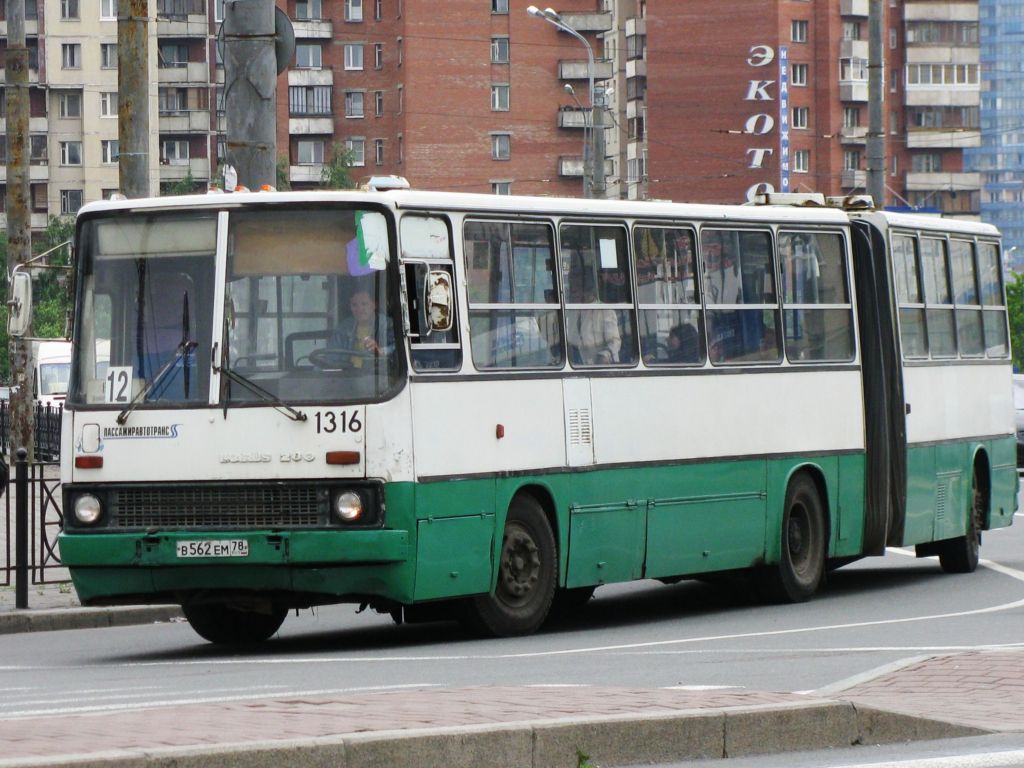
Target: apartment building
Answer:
pixel 708 100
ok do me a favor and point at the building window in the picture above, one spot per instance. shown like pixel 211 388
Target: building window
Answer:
pixel 108 55
pixel 378 103
pixel 851 30
pixel 499 6
pixel 70 104
pixel 70 56
pixel 378 10
pixel 309 152
pixel 218 10
pixel 800 117
pixel 799 74
pixel 378 55
pixel 354 104
pixel 308 56
pixel 108 10
pixel 310 10
pixel 851 160
pixel 71 153
pixel 174 152
pixel 109 149
pixel 942 74
pixel 801 161
pixel 401 99
pixel 108 104
pixel 378 151
pixel 70 200
pixel 501 187
pixel 309 100
pixel 851 117
pixel 853 69
pixel 501 146
pixel 172 101
pixel 926 162
pixel 69 9
pixel 401 51
pixel 354 56
pixel 172 55
pixel 356 147
pixel 353 10
pixel 499 50
pixel 499 98
pixel 798 30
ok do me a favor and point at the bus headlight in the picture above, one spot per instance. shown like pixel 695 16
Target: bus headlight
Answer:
pixel 348 507
pixel 87 509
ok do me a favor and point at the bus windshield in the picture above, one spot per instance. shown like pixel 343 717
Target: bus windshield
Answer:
pixel 305 309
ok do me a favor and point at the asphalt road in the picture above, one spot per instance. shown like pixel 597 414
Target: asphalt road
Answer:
pixel 692 635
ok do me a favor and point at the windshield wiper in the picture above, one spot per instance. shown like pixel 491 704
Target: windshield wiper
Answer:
pixel 186 346
pixel 260 392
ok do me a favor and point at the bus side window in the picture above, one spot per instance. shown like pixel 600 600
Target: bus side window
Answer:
pixel 909 296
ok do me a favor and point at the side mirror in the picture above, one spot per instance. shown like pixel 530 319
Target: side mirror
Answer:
pixel 19 306
pixel 437 301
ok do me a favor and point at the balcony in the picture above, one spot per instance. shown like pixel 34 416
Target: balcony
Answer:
pixel 572 117
pixel 925 181
pixel 945 12
pixel 853 90
pixel 570 165
pixel 192 25
pixel 943 139
pixel 576 69
pixel 191 72
pixel 307 126
pixel 588 22
pixel 305 174
pixel 854 8
pixel 855 135
pixel 184 121
pixel 36 172
pixel 636 68
pixel 638 26
pixel 31 28
pixel 176 170
pixel 853 49
pixel 317 29
pixel 854 179
pixel 310 77
pixel 942 96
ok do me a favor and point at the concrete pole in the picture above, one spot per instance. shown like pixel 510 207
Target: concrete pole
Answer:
pixel 598 186
pixel 876 103
pixel 250 90
pixel 133 96
pixel 19 221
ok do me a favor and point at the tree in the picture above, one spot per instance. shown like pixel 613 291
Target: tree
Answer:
pixel 1015 308
pixel 337 172
pixel 185 186
pixel 283 182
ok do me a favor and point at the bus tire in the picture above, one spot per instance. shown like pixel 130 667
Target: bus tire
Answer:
pixel 801 565
pixel 961 555
pixel 226 624
pixel 527 574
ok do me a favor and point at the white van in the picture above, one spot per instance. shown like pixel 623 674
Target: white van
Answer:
pixel 51 369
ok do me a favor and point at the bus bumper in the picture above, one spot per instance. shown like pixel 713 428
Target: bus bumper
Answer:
pixel 323 566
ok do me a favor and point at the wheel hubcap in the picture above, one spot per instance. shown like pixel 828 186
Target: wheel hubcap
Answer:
pixel 520 564
pixel 799 536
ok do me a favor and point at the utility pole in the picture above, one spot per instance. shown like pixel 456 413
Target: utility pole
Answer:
pixel 19 222
pixel 133 96
pixel 876 103
pixel 250 90
pixel 598 186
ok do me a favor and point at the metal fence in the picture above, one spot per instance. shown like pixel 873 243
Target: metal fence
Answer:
pixel 44 500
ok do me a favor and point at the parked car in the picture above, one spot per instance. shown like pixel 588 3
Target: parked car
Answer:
pixel 1018 402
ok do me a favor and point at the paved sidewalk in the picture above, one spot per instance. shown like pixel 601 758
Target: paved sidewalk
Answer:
pixel 935 697
pixel 923 698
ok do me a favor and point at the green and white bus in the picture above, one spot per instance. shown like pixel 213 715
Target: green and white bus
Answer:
pixel 485 407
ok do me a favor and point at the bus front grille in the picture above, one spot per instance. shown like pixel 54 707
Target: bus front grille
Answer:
pixel 218 506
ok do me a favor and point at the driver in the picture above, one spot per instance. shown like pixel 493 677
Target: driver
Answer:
pixel 365 330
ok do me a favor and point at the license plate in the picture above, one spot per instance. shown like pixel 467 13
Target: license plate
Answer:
pixel 218 548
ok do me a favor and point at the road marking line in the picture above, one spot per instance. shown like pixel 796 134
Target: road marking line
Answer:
pixel 987 760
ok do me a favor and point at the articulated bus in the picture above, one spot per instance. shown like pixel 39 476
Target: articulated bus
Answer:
pixel 484 407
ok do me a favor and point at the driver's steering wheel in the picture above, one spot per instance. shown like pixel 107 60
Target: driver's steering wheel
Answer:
pixel 335 358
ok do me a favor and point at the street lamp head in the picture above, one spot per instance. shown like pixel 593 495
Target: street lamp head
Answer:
pixel 552 14
pixel 569 89
pixel 533 10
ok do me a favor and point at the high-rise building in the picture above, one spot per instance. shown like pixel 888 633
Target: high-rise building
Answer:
pixel 708 100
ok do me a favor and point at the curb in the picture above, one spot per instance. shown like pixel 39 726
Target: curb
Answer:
pixel 609 740
pixel 54 619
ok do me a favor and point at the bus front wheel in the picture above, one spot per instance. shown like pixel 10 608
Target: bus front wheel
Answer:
pixel 801 565
pixel 962 554
pixel 226 624
pixel 527 574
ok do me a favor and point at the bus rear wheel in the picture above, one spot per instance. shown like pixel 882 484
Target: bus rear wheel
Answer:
pixel 801 566
pixel 227 624
pixel 962 554
pixel 527 573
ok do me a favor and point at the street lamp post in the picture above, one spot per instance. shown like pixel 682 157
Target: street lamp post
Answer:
pixel 591 173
